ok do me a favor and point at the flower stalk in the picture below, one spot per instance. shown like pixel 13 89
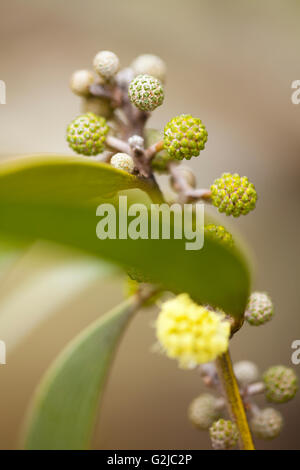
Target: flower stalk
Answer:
pixel 234 401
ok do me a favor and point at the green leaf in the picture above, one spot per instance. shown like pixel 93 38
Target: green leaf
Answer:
pixel 44 280
pixel 55 198
pixel 65 406
pixel 62 178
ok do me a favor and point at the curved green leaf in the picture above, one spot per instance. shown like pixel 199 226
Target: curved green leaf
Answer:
pixel 55 198
pixel 65 406
pixel 62 178
pixel 44 280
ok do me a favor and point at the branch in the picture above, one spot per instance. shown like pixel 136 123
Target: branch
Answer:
pixel 100 91
pixel 117 144
pixel 185 191
pixel 255 389
pixel 112 93
pixel 234 401
pixel 154 149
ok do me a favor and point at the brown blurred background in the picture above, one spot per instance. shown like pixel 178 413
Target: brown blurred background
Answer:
pixel 232 64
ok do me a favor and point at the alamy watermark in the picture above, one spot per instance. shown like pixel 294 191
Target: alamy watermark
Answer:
pixel 295 96
pixel 295 358
pixel 138 221
pixel 2 352
pixel 2 92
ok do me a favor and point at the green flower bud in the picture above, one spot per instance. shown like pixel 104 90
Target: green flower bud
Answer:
pixel 87 133
pixel 267 424
pixel 203 411
pixel 233 194
pixel 146 92
pixel 259 309
pixel 184 137
pixel 219 233
pixel 223 435
pixel 281 384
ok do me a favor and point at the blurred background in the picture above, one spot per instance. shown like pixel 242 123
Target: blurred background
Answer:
pixel 232 64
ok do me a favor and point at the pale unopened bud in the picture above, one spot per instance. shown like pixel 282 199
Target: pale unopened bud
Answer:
pixel 203 411
pixel 246 372
pixel 81 81
pixel 122 161
pixel 149 64
pixel 223 434
pixel 106 64
pixel 136 142
pixel 267 423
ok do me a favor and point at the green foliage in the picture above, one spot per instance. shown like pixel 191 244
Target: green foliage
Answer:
pixel 65 406
pixel 55 198
pixel 43 280
pixel 50 179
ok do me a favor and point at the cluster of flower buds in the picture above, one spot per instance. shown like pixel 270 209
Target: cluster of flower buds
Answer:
pixel 279 384
pixel 117 103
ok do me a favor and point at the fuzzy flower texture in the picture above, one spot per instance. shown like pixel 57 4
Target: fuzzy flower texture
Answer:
pixel 233 194
pixel 191 333
pixel 184 137
pixel 146 92
pixel 87 133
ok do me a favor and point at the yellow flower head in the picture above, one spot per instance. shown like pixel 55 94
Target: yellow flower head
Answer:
pixel 191 333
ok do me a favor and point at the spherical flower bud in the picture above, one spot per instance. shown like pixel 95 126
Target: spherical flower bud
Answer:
pixel 281 384
pixel 136 142
pixel 203 411
pixel 267 423
pixel 246 372
pixel 106 64
pixel 219 233
pixel 191 333
pixel 149 64
pixel 223 434
pixel 146 92
pixel 184 137
pixel 122 161
pixel 81 81
pixel 87 133
pixel 233 194
pixel 187 174
pixel 259 309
